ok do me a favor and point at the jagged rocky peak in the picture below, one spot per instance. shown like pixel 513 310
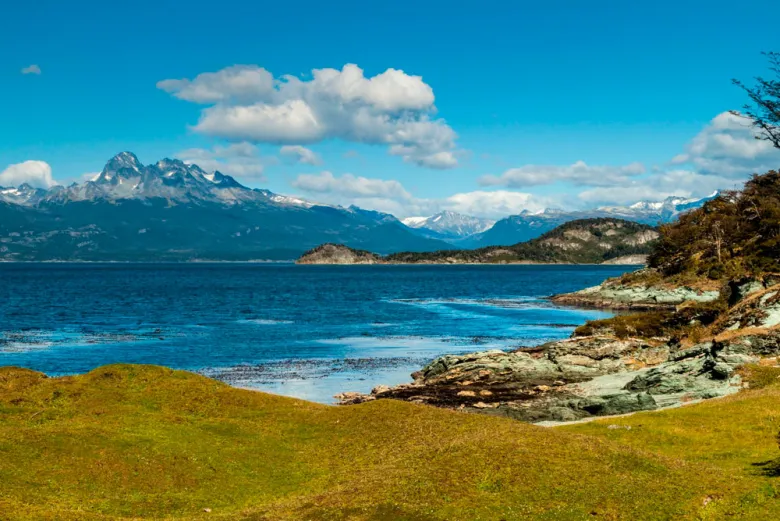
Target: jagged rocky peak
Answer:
pixel 124 165
pixel 224 181
pixel 23 194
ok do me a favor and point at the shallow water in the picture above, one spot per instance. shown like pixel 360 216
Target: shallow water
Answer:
pixel 303 331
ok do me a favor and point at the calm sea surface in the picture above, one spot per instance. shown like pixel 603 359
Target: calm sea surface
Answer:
pixel 304 331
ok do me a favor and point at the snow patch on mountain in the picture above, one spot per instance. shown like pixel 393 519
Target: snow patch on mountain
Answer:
pixel 449 224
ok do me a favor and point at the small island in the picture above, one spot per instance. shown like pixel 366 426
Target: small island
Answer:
pixel 583 241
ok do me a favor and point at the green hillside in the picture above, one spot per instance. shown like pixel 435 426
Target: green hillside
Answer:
pixel 142 442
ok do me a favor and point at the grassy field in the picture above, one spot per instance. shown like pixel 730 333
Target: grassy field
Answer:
pixel 147 442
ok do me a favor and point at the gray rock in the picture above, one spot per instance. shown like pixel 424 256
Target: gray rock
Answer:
pixel 612 294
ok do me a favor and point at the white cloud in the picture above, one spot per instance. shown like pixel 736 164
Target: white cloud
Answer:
pixel 290 121
pixel 496 204
pixel 391 196
pixel 240 83
pixel 728 147
pixel 579 173
pixel 32 69
pixel 350 186
pixel 392 109
pixel 237 159
pixel 720 157
pixel 681 183
pixel 299 154
pixel 34 173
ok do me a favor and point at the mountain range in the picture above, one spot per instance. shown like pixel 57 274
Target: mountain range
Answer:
pixel 527 225
pixel 448 226
pixel 174 211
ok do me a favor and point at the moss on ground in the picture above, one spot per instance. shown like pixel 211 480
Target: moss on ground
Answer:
pixel 141 442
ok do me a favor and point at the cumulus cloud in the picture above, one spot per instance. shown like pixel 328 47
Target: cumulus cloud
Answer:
pixel 34 173
pixel 299 154
pixel 239 83
pixel 728 147
pixel 393 109
pixel 680 183
pixel 579 173
pixel 237 159
pixel 32 69
pixel 391 196
pixel 350 186
pixel 495 204
pixel 720 157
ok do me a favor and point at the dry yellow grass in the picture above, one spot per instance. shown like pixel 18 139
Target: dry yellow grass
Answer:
pixel 144 442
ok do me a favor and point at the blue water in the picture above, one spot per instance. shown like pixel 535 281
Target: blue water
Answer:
pixel 304 331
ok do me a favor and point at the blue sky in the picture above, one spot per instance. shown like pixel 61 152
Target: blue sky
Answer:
pixel 519 104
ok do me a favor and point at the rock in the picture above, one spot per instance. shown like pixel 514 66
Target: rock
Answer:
pixel 741 289
pixel 612 294
pixel 583 377
pixel 353 398
pixel 627 259
pixel 620 403
pixel 704 371
pixel 330 253
pixel 379 389
pixel 755 308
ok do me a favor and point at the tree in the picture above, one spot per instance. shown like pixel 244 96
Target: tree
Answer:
pixel 764 111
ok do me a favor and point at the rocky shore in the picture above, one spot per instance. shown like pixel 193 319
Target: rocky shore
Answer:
pixel 604 374
pixel 613 294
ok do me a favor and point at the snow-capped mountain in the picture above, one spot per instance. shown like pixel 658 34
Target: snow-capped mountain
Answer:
pixel 170 210
pixel 526 226
pixel 22 195
pixel 448 225
pixel 654 212
pixel 124 177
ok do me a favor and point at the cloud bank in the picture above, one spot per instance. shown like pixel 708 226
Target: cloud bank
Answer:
pixel 390 196
pixel 393 109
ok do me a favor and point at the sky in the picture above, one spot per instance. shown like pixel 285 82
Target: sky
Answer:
pixel 486 108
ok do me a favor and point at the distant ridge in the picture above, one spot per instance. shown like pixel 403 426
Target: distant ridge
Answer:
pixel 526 225
pixel 584 241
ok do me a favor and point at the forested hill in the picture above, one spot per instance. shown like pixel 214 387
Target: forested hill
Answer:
pixel 585 241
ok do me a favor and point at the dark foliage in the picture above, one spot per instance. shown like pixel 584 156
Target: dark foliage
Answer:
pixel 737 233
pixel 764 112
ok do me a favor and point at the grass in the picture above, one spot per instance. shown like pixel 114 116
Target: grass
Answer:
pixel 689 322
pixel 145 442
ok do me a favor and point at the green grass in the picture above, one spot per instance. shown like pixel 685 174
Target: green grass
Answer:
pixel 142 442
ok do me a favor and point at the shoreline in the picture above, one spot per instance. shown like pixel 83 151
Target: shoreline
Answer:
pixel 294 262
